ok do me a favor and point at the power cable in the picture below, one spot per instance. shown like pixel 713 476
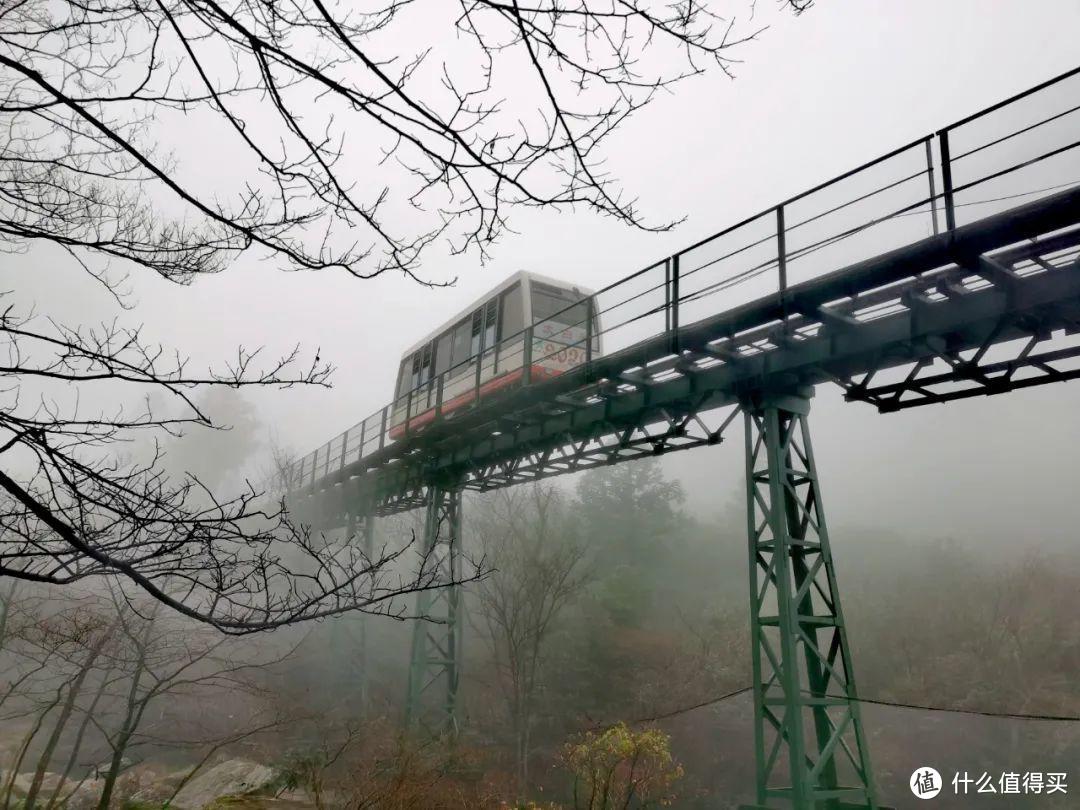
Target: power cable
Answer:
pixel 1056 718
pixel 996 199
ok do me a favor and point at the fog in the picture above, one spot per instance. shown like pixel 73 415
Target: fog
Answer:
pixel 978 488
pixel 814 96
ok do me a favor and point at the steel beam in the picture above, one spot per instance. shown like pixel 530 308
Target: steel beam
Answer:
pixel 434 669
pixel 367 537
pixel 811 751
pixel 1013 268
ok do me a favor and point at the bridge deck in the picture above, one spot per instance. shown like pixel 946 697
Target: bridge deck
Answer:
pixel 934 310
pixel 972 309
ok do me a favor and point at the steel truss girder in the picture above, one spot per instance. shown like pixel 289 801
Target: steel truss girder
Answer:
pixel 1024 333
pixel 957 291
pixel 585 441
pixel 967 373
pixel 606 442
pixel 948 331
pixel 435 663
pixel 811 751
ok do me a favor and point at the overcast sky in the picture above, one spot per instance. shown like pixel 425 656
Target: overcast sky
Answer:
pixel 814 96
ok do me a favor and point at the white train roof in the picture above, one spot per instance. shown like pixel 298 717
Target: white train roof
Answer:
pixel 503 285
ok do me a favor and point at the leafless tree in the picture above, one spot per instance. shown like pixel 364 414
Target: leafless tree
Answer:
pixel 538 568
pixel 502 104
pixel 492 104
pixel 75 508
pixel 50 652
pixel 163 658
pixel 138 675
pixel 95 645
pixel 7 600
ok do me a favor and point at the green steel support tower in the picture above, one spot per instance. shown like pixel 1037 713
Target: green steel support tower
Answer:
pixel 359 527
pixel 367 536
pixel 959 305
pixel 810 745
pixel 434 669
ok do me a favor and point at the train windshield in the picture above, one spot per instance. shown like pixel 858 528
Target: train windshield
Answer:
pixel 566 307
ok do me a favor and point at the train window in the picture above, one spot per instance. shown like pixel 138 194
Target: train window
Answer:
pixel 475 332
pixel 443 351
pixel 512 318
pixel 552 303
pixel 414 378
pixel 426 364
pixel 421 367
pixel 491 317
pixel 405 376
pixel 461 342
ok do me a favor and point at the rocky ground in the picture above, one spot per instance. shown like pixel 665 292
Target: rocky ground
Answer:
pixel 236 784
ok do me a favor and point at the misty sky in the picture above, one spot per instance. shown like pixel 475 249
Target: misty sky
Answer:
pixel 814 96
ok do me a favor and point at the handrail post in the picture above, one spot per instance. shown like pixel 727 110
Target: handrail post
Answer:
pixel 382 429
pixel 439 394
pixel 933 190
pixel 526 356
pixel 479 365
pixel 946 180
pixel 344 448
pixel 675 304
pixel 589 306
pixel 667 295
pixel 363 431
pixel 408 411
pixel 781 250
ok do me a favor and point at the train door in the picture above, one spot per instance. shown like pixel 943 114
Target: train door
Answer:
pixel 509 351
pixel 416 390
pixel 560 318
pixel 485 330
pixel 423 385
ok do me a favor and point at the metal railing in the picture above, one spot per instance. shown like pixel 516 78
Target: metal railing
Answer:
pixel 1016 150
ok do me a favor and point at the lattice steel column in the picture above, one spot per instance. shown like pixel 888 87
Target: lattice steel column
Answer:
pixel 810 747
pixel 359 528
pixel 366 535
pixel 436 645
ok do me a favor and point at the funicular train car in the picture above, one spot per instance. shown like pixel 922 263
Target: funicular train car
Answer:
pixel 482 349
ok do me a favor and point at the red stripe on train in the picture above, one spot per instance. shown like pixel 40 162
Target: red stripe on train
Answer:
pixel 494 384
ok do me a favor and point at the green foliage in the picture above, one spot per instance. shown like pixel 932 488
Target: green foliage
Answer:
pixel 135 804
pixel 626 596
pixel 621 768
pixel 629 510
pixel 243 801
pixel 629 516
pixel 299 768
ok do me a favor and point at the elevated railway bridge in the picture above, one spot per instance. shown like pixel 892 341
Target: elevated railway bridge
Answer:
pixel 945 269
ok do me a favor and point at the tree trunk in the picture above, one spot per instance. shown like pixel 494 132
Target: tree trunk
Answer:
pixel 132 716
pixel 61 721
pixel 113 772
pixel 526 742
pixel 5 611
pixel 29 738
pixel 77 744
